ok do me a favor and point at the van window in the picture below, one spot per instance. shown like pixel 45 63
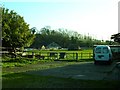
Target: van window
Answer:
pixel 105 50
pixel 98 50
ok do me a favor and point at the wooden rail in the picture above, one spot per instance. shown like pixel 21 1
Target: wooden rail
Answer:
pixel 60 55
pixel 56 55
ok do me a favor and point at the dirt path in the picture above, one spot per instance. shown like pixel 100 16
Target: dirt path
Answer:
pixel 81 70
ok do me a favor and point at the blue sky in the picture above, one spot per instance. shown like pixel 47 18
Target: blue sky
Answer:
pixel 99 18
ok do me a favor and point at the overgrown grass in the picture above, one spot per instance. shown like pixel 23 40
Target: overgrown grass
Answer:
pixel 38 66
pixel 22 80
pixel 20 62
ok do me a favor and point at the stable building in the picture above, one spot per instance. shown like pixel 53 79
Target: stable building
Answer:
pixel 53 45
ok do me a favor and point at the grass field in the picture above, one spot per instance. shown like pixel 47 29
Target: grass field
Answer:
pixel 70 55
pixel 77 51
pixel 21 80
pixel 21 61
pixel 17 78
pixel 14 76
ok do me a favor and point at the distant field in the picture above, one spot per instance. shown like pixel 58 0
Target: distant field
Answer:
pixel 44 52
pixel 70 55
pixel 77 51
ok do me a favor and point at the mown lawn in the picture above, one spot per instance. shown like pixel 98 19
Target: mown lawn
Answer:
pixel 14 75
pixel 22 80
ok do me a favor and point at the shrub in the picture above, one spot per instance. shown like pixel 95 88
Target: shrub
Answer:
pixel 73 47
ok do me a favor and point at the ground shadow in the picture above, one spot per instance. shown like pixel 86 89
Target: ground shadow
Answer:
pixel 83 70
pixel 79 75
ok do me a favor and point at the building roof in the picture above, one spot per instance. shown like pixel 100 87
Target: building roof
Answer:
pixel 53 45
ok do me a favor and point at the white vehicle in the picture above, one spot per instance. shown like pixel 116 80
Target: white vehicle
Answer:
pixel 102 53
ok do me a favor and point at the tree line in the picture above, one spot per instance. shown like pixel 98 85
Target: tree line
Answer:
pixel 65 38
pixel 17 34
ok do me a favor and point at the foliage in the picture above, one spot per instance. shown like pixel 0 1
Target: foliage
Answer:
pixel 33 30
pixel 64 38
pixel 116 37
pixel 15 31
pixel 73 47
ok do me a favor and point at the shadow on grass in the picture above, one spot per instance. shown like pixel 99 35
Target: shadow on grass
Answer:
pixel 80 70
pixel 79 75
pixel 22 80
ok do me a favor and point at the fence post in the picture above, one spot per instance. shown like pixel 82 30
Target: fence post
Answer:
pixel 33 54
pixel 73 56
pixel 48 55
pixel 40 53
pixel 76 56
pixel 89 55
pixel 81 55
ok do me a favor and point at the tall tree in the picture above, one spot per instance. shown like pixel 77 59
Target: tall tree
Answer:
pixel 15 31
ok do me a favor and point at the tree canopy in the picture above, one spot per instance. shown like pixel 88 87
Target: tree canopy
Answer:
pixel 65 38
pixel 116 37
pixel 15 31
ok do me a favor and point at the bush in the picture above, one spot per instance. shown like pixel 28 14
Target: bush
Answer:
pixel 73 47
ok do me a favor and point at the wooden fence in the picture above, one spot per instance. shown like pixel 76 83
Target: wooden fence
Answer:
pixel 59 55
pixel 48 55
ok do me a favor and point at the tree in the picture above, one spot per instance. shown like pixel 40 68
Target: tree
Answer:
pixel 15 31
pixel 116 37
pixel 33 30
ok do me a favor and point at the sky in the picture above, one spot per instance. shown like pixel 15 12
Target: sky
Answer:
pixel 99 18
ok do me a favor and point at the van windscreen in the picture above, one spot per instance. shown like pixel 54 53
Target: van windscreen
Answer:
pixel 105 50
pixel 98 50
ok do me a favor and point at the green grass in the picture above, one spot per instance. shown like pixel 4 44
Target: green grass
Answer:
pixel 22 80
pixel 37 66
pixel 20 62
pixel 46 51
pixel 13 77
pixel 70 55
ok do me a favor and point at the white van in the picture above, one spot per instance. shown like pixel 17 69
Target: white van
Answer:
pixel 102 53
